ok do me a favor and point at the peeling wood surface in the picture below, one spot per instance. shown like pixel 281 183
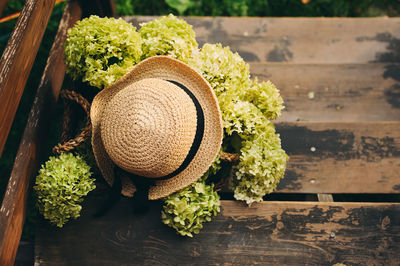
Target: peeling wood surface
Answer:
pixel 340 157
pixel 301 40
pixel 335 92
pixel 12 212
pixel 18 57
pixel 281 233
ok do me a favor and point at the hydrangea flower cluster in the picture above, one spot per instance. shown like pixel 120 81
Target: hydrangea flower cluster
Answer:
pixel 168 35
pixel 187 209
pixel 101 50
pixel 262 164
pixel 61 185
pixel 247 107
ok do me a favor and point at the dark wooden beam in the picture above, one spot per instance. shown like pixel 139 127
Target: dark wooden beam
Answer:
pixel 13 209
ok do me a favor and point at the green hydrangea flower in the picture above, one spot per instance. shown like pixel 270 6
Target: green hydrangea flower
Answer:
pixel 61 185
pixel 266 97
pixel 101 50
pixel 168 35
pixel 262 164
pixel 224 70
pixel 187 209
pixel 247 106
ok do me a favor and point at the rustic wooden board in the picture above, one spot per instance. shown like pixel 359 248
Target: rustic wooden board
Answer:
pixel 301 40
pixel 279 233
pixel 340 157
pixel 17 59
pixel 335 92
pixel 12 212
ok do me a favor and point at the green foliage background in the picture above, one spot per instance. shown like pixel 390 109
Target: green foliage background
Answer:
pixel 275 8
pixel 315 8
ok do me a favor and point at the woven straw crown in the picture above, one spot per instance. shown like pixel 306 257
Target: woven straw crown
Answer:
pixel 147 122
pixel 148 127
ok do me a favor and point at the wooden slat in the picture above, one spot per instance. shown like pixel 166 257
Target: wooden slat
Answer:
pixel 325 197
pixel 3 4
pixel 18 58
pixel 277 233
pixel 12 212
pixel 335 92
pixel 340 157
pixel 301 40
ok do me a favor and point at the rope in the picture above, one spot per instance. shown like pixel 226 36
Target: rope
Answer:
pixel 69 145
pixel 229 157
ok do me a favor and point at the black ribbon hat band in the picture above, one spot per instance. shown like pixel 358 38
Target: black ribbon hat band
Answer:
pixel 197 138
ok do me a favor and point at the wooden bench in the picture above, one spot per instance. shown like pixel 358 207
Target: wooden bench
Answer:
pixel 15 66
pixel 340 79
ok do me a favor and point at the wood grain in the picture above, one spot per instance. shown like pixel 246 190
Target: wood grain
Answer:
pixel 335 92
pixel 17 59
pixel 301 40
pixel 12 212
pixel 341 157
pixel 278 233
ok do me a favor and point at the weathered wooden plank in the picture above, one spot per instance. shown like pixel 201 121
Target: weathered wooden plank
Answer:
pixel 301 40
pixel 335 92
pixel 278 233
pixel 340 157
pixel 12 212
pixel 17 59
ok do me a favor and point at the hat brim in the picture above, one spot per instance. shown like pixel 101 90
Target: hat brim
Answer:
pixel 166 68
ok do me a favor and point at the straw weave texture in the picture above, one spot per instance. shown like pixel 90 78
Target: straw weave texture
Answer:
pixel 148 127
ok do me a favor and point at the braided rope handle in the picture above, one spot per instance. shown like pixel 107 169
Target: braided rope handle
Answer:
pixel 71 144
pixel 229 157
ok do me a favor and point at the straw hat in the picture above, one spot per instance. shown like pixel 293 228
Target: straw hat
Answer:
pixel 160 121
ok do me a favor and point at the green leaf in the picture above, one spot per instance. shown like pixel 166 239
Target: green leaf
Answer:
pixel 180 5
